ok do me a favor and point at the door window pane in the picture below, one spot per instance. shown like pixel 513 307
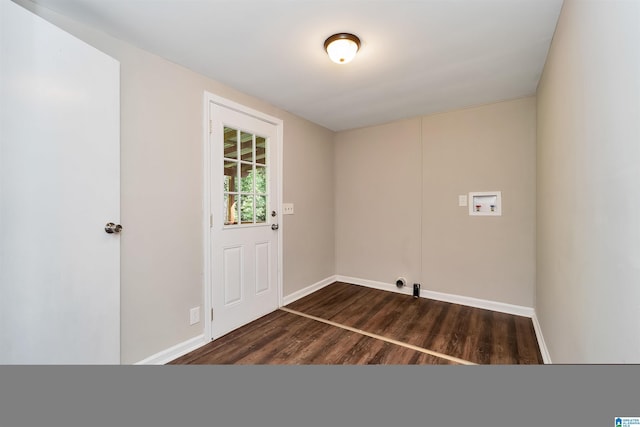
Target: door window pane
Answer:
pixel 261 150
pixel 260 179
pixel 246 147
pixel 246 210
pixel 230 177
pixel 245 178
pixel 261 209
pixel 230 143
pixel 230 209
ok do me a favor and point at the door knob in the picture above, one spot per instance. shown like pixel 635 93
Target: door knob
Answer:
pixel 112 228
pixel 274 226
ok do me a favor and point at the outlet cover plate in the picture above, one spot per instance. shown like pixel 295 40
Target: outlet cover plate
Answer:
pixel 287 209
pixel 194 315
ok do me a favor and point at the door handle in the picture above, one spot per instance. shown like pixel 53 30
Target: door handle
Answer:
pixel 274 226
pixel 112 228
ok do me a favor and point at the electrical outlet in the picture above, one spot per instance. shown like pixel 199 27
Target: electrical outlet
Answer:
pixel 287 209
pixel 194 315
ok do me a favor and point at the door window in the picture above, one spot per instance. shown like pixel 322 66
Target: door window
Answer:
pixel 245 178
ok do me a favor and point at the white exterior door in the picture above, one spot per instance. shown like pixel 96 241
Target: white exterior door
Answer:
pixel 244 231
pixel 59 186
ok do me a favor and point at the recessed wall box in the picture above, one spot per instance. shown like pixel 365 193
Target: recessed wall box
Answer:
pixel 485 203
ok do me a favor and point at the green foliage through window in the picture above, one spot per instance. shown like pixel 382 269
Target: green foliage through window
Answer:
pixel 259 177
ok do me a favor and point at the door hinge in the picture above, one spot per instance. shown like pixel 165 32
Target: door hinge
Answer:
pixel 210 126
pixel 211 221
pixel 212 314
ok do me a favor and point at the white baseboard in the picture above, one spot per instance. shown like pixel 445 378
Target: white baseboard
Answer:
pixel 518 310
pixel 546 357
pixel 407 290
pixel 308 290
pixel 166 356
pixel 501 307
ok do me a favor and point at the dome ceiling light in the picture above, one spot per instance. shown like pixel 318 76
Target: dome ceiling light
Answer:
pixel 342 47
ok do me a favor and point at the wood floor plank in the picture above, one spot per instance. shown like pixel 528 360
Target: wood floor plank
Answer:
pixel 528 349
pixel 334 300
pixel 480 336
pixel 285 338
pixel 503 348
pixel 378 337
pixel 368 326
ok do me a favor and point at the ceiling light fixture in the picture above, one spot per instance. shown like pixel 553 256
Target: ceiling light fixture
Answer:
pixel 342 47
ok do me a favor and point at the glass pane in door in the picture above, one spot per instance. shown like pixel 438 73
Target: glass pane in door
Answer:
pixel 230 209
pixel 245 178
pixel 230 143
pixel 246 210
pixel 261 150
pixel 246 146
pixel 230 177
pixel 260 179
pixel 261 209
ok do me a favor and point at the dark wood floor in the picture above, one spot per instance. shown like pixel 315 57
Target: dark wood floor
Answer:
pixel 359 325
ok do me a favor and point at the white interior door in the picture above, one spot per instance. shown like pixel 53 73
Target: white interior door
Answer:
pixel 59 186
pixel 244 226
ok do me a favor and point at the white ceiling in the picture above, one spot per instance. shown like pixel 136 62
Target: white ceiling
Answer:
pixel 417 57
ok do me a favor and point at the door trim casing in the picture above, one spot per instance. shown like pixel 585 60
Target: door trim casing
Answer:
pixel 210 98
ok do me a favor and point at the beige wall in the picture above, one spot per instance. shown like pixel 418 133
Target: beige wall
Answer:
pixel 588 231
pixel 489 148
pixel 377 190
pixel 397 212
pixel 308 183
pixel 161 194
